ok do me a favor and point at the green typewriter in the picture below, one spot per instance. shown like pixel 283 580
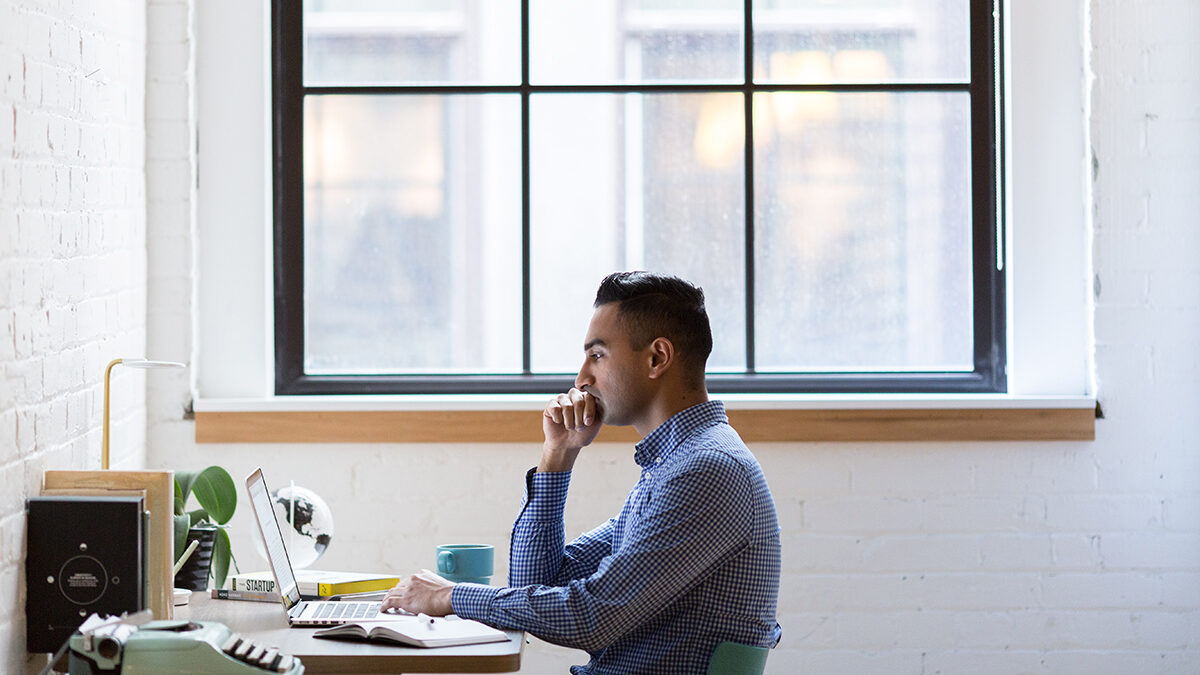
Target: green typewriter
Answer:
pixel 177 647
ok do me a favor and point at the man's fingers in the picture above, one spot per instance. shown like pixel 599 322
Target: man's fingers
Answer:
pixel 583 406
pixel 425 591
pixel 392 599
pixel 589 410
pixel 554 412
pixel 556 408
pixel 567 408
pixel 574 410
pixel 579 408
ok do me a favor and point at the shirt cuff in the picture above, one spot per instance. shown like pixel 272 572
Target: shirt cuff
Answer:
pixel 546 494
pixel 472 601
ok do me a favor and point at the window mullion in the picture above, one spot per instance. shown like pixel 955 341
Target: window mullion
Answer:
pixel 526 294
pixel 748 100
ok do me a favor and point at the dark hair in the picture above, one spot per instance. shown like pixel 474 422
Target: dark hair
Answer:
pixel 661 305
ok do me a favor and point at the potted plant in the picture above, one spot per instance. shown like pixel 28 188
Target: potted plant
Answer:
pixel 216 495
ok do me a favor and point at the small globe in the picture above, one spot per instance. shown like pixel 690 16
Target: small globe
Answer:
pixel 306 522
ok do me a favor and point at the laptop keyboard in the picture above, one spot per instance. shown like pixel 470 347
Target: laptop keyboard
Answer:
pixel 347 610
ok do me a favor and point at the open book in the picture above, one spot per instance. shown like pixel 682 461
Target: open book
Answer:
pixel 417 631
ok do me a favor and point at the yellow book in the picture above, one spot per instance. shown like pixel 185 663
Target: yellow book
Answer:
pixel 316 583
pixel 361 586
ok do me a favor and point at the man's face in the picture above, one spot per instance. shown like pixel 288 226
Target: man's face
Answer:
pixel 613 372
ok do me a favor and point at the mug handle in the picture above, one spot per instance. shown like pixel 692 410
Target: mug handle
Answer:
pixel 445 562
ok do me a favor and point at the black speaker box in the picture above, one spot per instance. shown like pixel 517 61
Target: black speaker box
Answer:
pixel 85 555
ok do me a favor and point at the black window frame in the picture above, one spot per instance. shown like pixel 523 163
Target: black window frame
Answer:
pixel 987 229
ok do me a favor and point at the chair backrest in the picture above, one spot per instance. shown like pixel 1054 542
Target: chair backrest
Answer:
pixel 733 658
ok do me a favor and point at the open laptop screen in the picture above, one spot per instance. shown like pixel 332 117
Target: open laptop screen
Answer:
pixel 268 525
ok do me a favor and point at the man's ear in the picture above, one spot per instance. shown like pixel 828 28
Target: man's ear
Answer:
pixel 661 355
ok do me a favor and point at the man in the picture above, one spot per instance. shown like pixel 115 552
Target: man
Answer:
pixel 693 558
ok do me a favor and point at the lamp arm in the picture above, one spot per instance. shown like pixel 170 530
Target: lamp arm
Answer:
pixel 104 433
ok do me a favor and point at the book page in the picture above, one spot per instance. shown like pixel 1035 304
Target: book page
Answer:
pixel 421 631
pixel 447 631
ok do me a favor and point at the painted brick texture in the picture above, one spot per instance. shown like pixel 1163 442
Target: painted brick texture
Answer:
pixel 72 257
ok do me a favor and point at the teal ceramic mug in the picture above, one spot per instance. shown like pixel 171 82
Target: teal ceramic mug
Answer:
pixel 469 563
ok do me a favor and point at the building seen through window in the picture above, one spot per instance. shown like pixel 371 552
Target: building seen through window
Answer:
pixel 860 238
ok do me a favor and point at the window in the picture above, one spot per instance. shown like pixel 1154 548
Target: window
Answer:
pixel 453 179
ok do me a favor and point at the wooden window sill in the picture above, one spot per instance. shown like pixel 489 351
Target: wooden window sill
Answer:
pixel 515 419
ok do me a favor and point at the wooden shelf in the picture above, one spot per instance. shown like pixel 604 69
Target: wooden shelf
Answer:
pixel 765 425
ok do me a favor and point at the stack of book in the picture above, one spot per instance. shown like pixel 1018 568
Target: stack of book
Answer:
pixel 311 584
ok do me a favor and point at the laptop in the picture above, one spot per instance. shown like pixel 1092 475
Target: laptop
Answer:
pixel 300 613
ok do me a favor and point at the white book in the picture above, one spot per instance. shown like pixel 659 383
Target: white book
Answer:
pixel 417 631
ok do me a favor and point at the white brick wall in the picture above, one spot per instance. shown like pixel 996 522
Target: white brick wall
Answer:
pixel 918 558
pixel 72 256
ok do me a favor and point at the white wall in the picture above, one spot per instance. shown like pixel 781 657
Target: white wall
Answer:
pixel 171 181
pixel 72 257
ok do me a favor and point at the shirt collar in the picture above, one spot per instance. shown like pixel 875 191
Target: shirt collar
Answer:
pixel 660 442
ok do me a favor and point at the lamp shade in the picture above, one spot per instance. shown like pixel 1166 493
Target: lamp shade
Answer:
pixel 146 363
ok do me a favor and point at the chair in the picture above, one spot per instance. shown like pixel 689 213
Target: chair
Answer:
pixel 734 658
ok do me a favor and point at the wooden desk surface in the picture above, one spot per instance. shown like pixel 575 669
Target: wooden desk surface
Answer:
pixel 266 623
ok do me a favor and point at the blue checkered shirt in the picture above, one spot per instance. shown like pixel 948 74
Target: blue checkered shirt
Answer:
pixel 691 561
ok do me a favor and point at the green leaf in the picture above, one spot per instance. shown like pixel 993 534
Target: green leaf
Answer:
pixel 182 525
pixel 183 488
pixel 222 552
pixel 216 492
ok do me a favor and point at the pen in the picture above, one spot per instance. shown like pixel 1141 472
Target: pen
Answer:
pixel 186 554
pixel 425 619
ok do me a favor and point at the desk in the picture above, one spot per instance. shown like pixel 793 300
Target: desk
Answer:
pixel 266 623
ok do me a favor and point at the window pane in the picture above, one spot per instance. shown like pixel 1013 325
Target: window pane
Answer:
pixel 818 41
pixel 863 246
pixel 588 42
pixel 373 42
pixel 623 182
pixel 412 244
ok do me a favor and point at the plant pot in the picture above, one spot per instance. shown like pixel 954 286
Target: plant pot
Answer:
pixel 194 573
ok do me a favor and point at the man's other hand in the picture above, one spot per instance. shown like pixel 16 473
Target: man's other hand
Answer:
pixel 570 421
pixel 423 593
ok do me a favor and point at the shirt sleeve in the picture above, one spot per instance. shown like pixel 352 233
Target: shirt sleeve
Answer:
pixel 536 552
pixel 694 520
